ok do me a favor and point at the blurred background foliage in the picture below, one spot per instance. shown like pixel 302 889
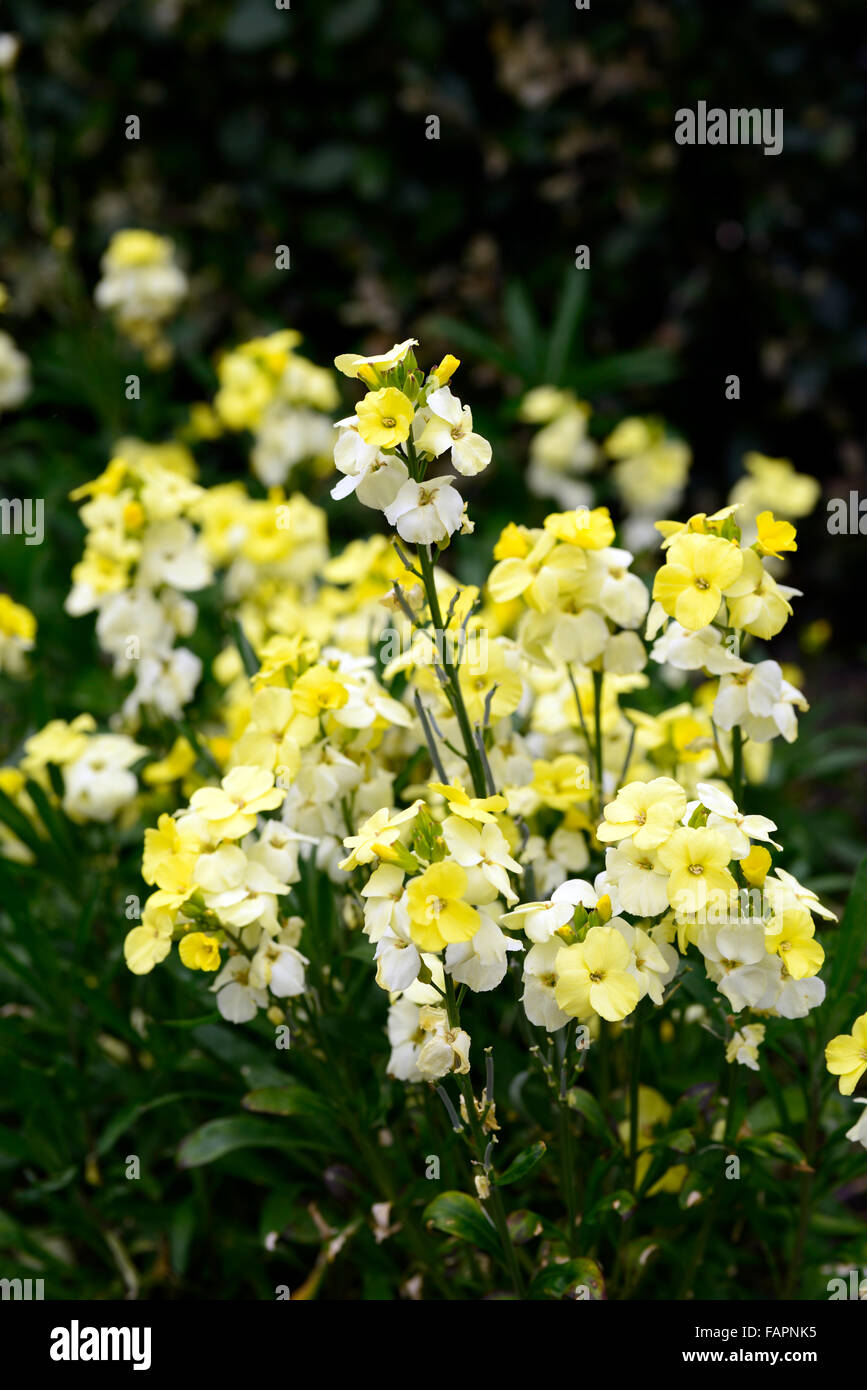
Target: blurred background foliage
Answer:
pixel 307 127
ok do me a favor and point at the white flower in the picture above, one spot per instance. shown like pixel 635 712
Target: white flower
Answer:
pixel 642 886
pixel 540 978
pixel 405 1037
pixel 738 961
pixel 449 425
pixel 481 963
pixel 737 828
pixel 797 997
pixel 858 1132
pixel 692 651
pixel 238 1000
pixel 541 920
pixel 653 964
pixel 14 371
pixel 444 1049
pixel 484 847
pixel 425 513
pixel 784 890
pixel 98 784
pixel 760 701
pixel 743 1047
pixel 385 903
pixel 279 967
pixel 171 554
pixel 398 959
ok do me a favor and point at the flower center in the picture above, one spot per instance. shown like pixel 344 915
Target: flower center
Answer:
pixel 702 584
pixel 696 868
pixel 597 976
pixel 388 421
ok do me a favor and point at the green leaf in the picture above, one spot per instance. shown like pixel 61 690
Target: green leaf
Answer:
pixel 288 1100
pixel 223 1136
pixel 457 1214
pixel 775 1145
pixel 588 1106
pixel 620 1204
pixel 134 1111
pixel 849 941
pixel 576 1279
pixel 569 314
pixel 525 1162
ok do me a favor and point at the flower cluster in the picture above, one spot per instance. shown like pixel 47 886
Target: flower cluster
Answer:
pixel 142 557
pixel 142 286
pixel 469 766
pixel 284 399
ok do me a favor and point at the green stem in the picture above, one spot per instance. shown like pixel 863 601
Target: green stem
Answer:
pixel 634 1078
pixel 598 678
pixel 493 1203
pixel 452 686
pixel 567 1155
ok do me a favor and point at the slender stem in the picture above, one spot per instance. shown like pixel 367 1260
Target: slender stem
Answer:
pixel 452 686
pixel 634 1080
pixel 598 678
pixel 494 1203
pixel 567 1154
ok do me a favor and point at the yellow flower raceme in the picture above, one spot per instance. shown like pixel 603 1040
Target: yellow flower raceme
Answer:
pixel 846 1056
pixel 698 572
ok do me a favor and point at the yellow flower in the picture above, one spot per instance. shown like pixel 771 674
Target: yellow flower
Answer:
pixel 377 833
pixel 484 670
pixel 846 1056
pixel 645 812
pixel 16 620
pixel 593 977
pixel 775 536
pixel 232 808
pixel 446 369
pixel 176 764
pixel 438 914
pixel 791 937
pixel 561 782
pixel 199 951
pixel 697 862
pixel 317 690
pixel 170 853
pixel 591 530
pixel 351 365
pixel 756 602
pixel 385 417
pixel 145 946
pixel 756 866
pixel 697 572
pixel 477 808
pixel 135 248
